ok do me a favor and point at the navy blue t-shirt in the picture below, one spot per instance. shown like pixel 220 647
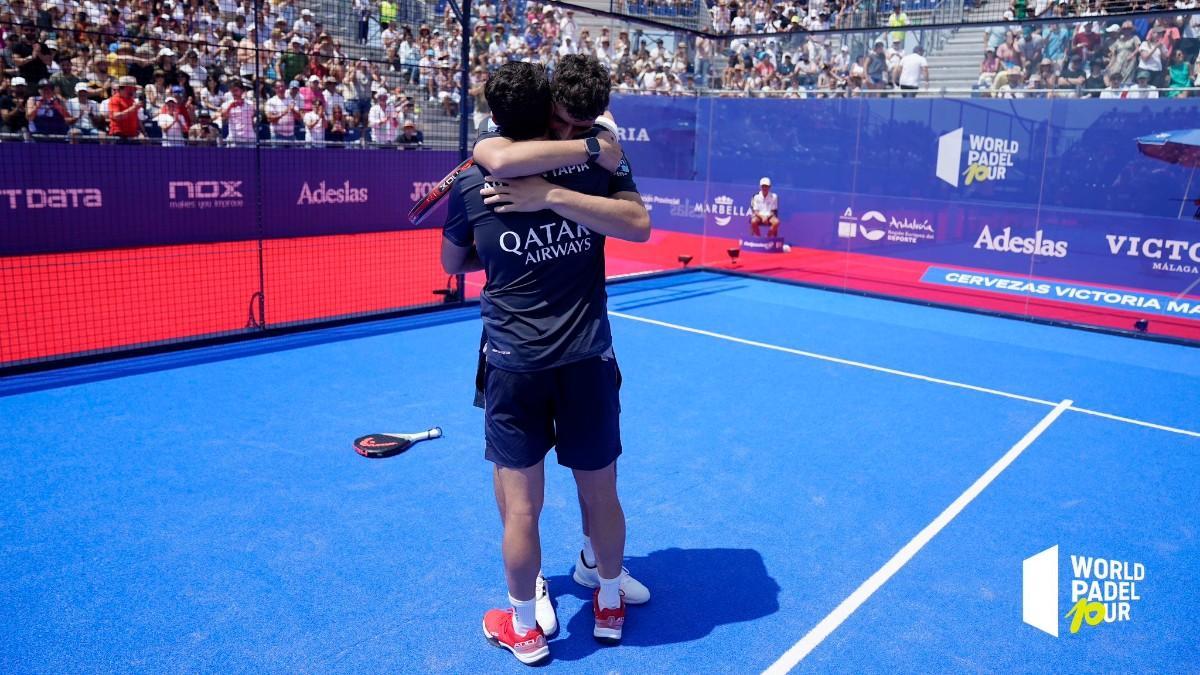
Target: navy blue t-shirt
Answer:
pixel 544 303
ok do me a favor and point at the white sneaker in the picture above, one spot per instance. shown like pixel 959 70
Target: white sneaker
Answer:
pixel 547 620
pixel 635 591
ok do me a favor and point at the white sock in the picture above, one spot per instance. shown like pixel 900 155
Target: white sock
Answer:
pixel 610 593
pixel 589 556
pixel 524 614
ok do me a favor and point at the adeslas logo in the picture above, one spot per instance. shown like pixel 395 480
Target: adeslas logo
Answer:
pixel 1005 242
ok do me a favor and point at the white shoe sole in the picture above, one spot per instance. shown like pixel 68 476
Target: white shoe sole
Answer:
pixel 528 659
pixel 608 635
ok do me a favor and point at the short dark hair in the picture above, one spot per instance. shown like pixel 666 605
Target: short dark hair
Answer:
pixel 519 95
pixel 581 85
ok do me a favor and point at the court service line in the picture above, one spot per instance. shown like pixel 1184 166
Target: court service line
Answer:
pixel 860 595
pixel 831 359
pixel 900 373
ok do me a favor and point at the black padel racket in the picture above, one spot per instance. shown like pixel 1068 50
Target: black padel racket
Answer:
pixel 379 446
pixel 424 206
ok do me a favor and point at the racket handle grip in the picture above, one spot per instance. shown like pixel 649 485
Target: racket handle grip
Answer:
pixel 435 432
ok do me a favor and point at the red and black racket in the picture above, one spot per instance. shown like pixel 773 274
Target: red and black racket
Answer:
pixel 425 205
pixel 379 446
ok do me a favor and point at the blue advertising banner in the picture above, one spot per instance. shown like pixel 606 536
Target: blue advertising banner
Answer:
pixel 1064 153
pixel 658 134
pixel 1133 301
pixel 1050 188
pixel 56 201
pixel 1161 254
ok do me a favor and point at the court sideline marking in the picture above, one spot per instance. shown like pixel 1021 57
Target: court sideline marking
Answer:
pixel 900 373
pixel 860 595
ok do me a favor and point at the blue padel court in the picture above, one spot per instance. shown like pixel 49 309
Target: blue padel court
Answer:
pixel 813 481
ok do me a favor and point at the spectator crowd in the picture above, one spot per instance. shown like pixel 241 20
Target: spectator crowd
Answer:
pixel 1141 57
pixel 382 72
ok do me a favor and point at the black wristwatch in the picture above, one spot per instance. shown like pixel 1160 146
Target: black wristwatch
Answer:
pixel 593 148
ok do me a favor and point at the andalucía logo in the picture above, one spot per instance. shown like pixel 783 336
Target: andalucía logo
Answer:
pixel 1103 590
pixel 988 158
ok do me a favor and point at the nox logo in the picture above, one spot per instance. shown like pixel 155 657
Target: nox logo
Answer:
pixel 1103 590
pixel 204 189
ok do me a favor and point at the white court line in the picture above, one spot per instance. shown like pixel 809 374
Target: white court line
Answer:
pixel 860 595
pixel 900 373
pixel 1140 423
pixel 831 359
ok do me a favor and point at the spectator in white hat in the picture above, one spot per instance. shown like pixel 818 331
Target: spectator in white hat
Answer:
pixel 172 122
pixel 304 26
pixel 12 107
pixel 382 119
pixel 764 209
pixel 84 114
pixel 311 93
pixel 333 98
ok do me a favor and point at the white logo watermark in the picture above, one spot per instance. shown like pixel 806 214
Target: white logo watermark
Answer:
pixel 874 226
pixel 205 194
pixel 723 210
pixel 1005 242
pixel 53 198
pixel 988 158
pixel 346 194
pixel 1103 590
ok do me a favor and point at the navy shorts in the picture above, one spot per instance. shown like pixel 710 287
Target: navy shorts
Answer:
pixel 575 407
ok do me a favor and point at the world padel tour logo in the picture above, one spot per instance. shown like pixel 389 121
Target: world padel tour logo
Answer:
pixel 988 158
pixel 1103 590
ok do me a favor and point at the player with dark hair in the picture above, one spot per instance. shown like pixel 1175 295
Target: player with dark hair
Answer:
pixel 550 379
pixel 580 95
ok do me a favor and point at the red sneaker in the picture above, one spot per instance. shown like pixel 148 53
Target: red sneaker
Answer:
pixel 609 622
pixel 528 648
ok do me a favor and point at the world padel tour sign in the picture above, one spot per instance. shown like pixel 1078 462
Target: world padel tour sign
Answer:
pixel 988 158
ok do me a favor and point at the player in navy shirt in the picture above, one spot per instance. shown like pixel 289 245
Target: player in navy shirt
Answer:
pixel 551 379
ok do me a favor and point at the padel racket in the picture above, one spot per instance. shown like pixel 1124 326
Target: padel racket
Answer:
pixel 379 446
pixel 424 206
